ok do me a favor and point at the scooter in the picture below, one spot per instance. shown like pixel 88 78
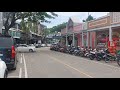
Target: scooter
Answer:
pixel 71 51
pixel 109 57
pixel 95 54
pixel 77 51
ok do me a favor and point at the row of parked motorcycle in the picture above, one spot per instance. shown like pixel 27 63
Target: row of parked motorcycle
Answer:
pixel 92 54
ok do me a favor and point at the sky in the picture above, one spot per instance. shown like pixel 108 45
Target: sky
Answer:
pixel 64 17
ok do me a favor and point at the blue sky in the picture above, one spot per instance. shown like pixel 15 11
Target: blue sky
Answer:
pixel 64 16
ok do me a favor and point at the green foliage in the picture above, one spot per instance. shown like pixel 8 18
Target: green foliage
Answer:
pixel 57 28
pixel 34 17
pixel 89 18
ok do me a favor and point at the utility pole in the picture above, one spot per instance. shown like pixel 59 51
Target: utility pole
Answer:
pixel 88 13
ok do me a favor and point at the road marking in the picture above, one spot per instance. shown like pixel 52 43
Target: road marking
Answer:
pixel 70 67
pixel 103 64
pixel 21 59
pixel 25 67
pixel 99 62
pixel 13 76
pixel 20 73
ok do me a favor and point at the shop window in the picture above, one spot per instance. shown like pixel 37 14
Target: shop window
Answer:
pixel 18 34
pixel 13 33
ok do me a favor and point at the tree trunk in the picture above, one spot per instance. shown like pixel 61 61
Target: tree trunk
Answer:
pixel 6 32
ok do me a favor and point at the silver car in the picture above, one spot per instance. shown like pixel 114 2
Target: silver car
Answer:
pixel 26 48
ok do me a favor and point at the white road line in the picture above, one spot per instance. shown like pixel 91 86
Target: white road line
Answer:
pixel 13 76
pixel 25 67
pixel 20 73
pixel 71 67
pixel 21 59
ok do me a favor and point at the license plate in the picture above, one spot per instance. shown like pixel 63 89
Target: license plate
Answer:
pixel 1 54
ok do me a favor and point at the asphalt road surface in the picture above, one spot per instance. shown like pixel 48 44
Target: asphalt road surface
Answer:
pixel 45 63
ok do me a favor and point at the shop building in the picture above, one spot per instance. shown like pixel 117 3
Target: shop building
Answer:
pixel 94 33
pixel 98 32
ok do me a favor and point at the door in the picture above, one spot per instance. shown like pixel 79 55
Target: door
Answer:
pixel 25 48
pixel 20 48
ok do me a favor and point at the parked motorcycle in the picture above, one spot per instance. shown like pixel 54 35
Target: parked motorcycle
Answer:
pixel 77 51
pixel 118 57
pixel 71 51
pixel 109 57
pixel 85 52
pixel 96 54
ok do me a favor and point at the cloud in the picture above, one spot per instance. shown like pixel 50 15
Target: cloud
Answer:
pixel 64 16
pixel 68 13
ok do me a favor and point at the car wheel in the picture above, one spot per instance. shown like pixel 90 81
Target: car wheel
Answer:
pixel 15 65
pixel 30 50
pixel 6 73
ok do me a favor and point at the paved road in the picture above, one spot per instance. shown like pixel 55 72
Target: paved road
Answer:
pixel 50 64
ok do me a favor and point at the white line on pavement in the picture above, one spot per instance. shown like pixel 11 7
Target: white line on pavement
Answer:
pixel 25 67
pixel 20 73
pixel 21 59
pixel 70 66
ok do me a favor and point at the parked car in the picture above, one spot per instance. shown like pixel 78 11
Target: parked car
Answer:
pixel 26 48
pixel 43 45
pixel 3 69
pixel 8 51
pixel 48 45
pixel 37 45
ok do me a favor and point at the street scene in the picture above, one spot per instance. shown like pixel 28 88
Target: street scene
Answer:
pixel 60 45
pixel 50 64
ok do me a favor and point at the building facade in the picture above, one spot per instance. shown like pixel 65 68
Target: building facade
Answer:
pixel 95 33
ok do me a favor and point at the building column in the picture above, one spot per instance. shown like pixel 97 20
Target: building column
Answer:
pixel 82 40
pixel 87 39
pixel 90 40
pixel 66 41
pixel 110 33
pixel 73 39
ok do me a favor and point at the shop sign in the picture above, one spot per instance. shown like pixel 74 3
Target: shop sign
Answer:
pixel 101 22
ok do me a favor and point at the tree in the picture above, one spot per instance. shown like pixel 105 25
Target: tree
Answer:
pixel 89 18
pixel 11 17
pixel 57 28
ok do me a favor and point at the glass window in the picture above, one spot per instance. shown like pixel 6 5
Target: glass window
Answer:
pixel 6 42
pixel 13 33
pixel 18 34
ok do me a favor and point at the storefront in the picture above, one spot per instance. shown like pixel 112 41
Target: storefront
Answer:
pixel 102 38
pixel 115 27
pixel 98 32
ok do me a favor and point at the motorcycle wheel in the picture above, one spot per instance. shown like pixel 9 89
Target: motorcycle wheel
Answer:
pixel 98 59
pixel 118 62
pixel 91 57
pixel 81 54
pixel 75 53
pixel 107 60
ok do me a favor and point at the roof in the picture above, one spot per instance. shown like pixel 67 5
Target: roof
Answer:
pixel 75 19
